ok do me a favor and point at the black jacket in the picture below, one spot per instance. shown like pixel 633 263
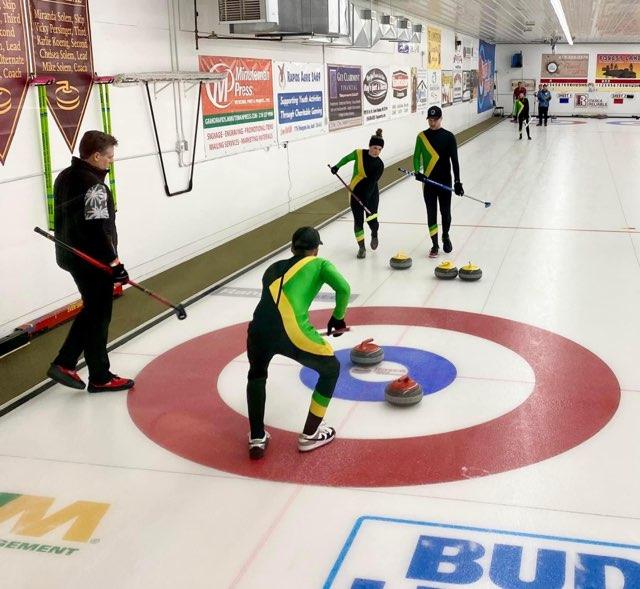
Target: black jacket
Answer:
pixel 85 216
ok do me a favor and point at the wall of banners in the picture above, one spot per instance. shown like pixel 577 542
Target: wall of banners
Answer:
pixel 237 110
pixel 299 99
pixel 486 75
pixel 14 71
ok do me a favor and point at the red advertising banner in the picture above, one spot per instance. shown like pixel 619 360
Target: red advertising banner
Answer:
pixel 238 110
pixel 14 70
pixel 61 41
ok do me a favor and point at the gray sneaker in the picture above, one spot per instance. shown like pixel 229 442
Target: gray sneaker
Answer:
pixel 323 436
pixel 362 253
pixel 258 446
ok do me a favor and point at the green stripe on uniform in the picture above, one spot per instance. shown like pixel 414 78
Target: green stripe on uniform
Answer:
pixel 320 399
pixel 433 229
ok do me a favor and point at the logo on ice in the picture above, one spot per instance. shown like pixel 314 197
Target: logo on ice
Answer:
pixel 382 553
pixel 32 516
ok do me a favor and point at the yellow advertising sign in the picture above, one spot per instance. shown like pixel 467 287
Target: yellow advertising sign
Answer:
pixel 434 48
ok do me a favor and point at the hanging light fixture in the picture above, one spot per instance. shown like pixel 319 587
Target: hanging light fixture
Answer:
pixel 562 19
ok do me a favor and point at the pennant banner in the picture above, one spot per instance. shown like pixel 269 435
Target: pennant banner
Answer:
pixel 61 41
pixel 14 70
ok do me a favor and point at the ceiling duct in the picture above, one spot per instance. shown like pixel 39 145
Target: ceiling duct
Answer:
pixel 366 28
pixel 416 33
pixel 388 28
pixel 404 30
pixel 330 18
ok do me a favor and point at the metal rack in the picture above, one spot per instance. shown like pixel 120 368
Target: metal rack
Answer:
pixel 166 79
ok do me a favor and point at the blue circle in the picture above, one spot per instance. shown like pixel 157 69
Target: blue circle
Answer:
pixel 432 371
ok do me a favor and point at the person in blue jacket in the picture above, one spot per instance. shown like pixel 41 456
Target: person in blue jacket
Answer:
pixel 544 97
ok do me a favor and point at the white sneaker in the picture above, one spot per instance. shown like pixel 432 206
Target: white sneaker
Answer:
pixel 324 434
pixel 258 446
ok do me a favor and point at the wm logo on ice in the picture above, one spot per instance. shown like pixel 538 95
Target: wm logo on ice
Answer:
pixel 33 517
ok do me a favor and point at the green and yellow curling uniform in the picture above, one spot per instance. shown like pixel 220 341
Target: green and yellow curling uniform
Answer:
pixel 281 325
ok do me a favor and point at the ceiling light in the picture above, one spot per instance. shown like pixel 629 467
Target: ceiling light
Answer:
pixel 562 19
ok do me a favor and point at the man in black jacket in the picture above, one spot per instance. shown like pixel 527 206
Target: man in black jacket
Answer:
pixel 85 219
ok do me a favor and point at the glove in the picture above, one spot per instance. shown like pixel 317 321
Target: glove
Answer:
pixel 457 188
pixel 334 170
pixel 335 324
pixel 119 274
pixel 420 177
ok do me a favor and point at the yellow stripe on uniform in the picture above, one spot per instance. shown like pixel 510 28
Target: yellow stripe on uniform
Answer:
pixel 432 152
pixel 360 167
pixel 317 409
pixel 295 334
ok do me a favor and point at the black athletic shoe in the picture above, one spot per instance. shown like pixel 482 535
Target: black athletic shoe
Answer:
pixel 374 242
pixel 433 252
pixel 446 244
pixel 362 252
pixel 66 377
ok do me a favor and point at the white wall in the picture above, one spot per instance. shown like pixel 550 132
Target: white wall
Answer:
pixel 231 195
pixel 531 66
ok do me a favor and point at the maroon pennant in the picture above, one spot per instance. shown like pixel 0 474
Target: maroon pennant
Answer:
pixel 61 41
pixel 14 70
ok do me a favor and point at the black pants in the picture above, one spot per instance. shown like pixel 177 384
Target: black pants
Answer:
pixel 521 122
pixel 371 202
pixel 261 348
pixel 89 332
pixel 433 196
pixel 543 111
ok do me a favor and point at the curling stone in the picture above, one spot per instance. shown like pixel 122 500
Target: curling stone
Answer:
pixel 404 391
pixel 400 261
pixel 367 353
pixel 470 272
pixel 446 271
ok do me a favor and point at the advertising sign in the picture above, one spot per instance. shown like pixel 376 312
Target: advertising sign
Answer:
pixel 376 90
pixel 345 96
pixel 400 95
pixel 486 73
pixel 299 99
pixel 616 72
pixel 434 48
pixel 238 110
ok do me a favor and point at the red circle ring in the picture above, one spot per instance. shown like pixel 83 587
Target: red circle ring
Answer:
pixel 176 403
